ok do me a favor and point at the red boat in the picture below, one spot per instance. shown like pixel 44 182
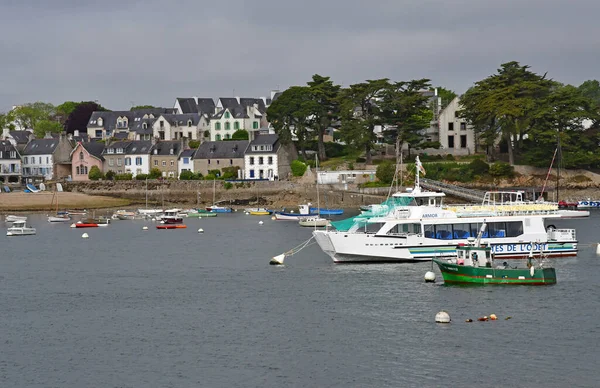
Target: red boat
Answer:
pixel 567 205
pixel 171 226
pixel 86 225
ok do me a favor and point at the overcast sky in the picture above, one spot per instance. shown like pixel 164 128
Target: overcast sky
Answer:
pixel 124 52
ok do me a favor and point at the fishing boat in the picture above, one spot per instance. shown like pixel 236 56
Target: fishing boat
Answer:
pixel 11 218
pixel 171 216
pixel 474 264
pixel 87 224
pixel 216 208
pixel 314 221
pixel 20 228
pixel 200 213
pixel 148 212
pixel 123 215
pixel 257 210
pixel 303 211
pixel 171 226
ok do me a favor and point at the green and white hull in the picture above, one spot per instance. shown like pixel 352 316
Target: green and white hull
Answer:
pixel 463 274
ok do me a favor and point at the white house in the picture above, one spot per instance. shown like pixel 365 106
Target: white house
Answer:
pixel 234 113
pixel 185 161
pixel 177 126
pixel 455 135
pixel 265 159
pixel 128 157
pixel 47 158
pixel 10 163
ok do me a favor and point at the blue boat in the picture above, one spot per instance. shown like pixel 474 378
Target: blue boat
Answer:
pixel 218 209
pixel 327 212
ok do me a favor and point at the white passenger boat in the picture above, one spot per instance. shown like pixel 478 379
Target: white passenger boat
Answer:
pixel 421 233
pixel 19 228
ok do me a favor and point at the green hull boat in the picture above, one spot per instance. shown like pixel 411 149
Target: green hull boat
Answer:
pixel 465 274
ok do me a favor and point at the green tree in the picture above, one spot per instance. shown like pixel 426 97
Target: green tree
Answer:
pixel 155 173
pixel 386 172
pixel 141 107
pixel 110 175
pixel 80 116
pixel 240 134
pixel 360 113
pixel 44 126
pixel 95 173
pixel 194 144
pixel 64 110
pixel 187 175
pixel 406 111
pixel 505 104
pixel 6 121
pixel 298 168
pixel 289 115
pixel 28 115
pixel 322 109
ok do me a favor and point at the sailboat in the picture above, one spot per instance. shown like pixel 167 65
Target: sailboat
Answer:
pixel 60 216
pixel 317 220
pixel 146 211
pixel 216 208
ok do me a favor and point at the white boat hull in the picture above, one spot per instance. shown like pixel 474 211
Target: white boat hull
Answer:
pixel 20 231
pixel 12 218
pixel 312 222
pixel 58 219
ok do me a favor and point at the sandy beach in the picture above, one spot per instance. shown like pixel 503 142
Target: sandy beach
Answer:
pixel 20 201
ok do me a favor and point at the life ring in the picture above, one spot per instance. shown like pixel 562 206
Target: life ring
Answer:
pixel 550 228
pixel 474 256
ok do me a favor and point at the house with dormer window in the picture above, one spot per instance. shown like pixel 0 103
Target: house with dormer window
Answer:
pixel 178 126
pixel 215 155
pixel 265 158
pixel 186 161
pixel 165 157
pixel 84 156
pixel 10 163
pixel 128 157
pixel 47 158
pixel 104 125
pixel 232 115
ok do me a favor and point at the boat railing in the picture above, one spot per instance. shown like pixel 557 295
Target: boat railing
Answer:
pixel 524 208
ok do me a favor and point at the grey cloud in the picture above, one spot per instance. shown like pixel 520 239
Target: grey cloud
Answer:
pixel 153 51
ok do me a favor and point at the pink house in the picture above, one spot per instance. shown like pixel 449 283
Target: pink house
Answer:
pixel 83 157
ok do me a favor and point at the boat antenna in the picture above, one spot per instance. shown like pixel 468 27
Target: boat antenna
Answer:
pixel 317 184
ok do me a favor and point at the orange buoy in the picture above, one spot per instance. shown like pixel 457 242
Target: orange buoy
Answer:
pixel 493 317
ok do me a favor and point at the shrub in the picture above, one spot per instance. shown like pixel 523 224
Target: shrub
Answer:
pixel 479 167
pixel 230 172
pixel 155 173
pixel 240 134
pixel 228 185
pixel 95 173
pixel 210 177
pixel 350 166
pixel 501 169
pixel 124 177
pixel 141 177
pixel 187 175
pixel 207 133
pixel 194 144
pixel 449 157
pixel 298 168
pixel 110 175
pixel 385 172
pixel 360 160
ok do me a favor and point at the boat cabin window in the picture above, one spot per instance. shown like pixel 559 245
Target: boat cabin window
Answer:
pixel 405 229
pixel 373 227
pixel 459 231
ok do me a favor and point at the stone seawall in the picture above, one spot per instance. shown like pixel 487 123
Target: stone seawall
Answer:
pixel 275 194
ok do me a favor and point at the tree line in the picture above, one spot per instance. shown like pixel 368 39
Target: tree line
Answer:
pixel 524 114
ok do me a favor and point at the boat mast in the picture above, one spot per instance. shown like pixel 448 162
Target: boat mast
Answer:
pixel 559 161
pixel 146 193
pixel 214 189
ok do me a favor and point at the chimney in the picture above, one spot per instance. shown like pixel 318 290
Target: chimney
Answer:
pixel 48 135
pixel 76 133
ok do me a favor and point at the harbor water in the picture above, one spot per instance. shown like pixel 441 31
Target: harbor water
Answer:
pixel 129 307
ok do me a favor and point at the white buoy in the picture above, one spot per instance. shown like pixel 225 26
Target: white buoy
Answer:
pixel 291 211
pixel 247 213
pixel 72 226
pixel 273 218
pixel 277 260
pixel 429 277
pixel 85 235
pixel 145 228
pixel 598 249
pixel 260 222
pixel 200 230
pixel 442 317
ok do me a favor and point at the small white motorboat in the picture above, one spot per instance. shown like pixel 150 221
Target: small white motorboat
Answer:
pixel 19 228
pixel 12 218
pixel 313 221
pixel 59 218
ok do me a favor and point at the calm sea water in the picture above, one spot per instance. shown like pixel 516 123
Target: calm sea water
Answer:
pixel 175 308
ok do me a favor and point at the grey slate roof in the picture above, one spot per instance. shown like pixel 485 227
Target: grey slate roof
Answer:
pixel 6 147
pixel 206 106
pixel 163 148
pixel 41 147
pixel 187 154
pixel 187 105
pixel 110 118
pixel 131 147
pixel 95 148
pixel 251 101
pixel 229 102
pixel 121 135
pixel 234 149
pixel 21 137
pixel 82 137
pixel 181 120
pixel 259 140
